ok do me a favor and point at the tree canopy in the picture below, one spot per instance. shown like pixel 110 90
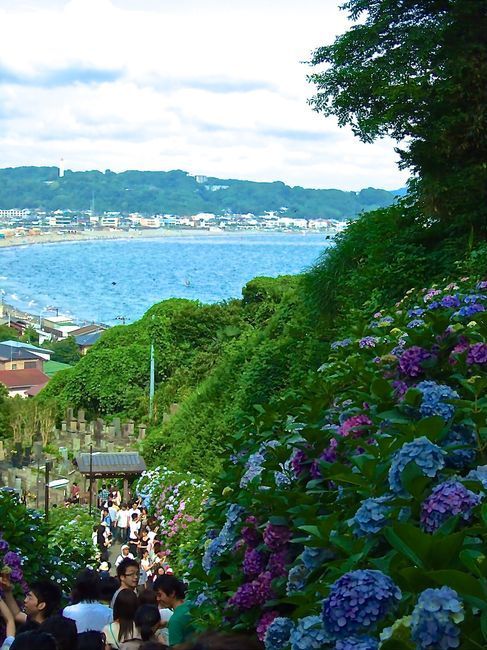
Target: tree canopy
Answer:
pixel 416 70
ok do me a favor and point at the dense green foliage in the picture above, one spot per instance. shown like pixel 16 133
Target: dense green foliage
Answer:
pixel 330 481
pixel 65 350
pixel 175 192
pixel 417 71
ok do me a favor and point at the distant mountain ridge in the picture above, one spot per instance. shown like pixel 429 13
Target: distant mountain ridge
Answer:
pixel 177 192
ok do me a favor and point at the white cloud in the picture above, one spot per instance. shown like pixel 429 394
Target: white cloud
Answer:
pixel 217 88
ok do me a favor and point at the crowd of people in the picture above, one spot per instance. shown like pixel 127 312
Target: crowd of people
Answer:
pixel 142 607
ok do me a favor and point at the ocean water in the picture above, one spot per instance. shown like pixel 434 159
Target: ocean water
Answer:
pixel 102 280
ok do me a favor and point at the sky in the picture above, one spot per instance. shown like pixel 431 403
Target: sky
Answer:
pixel 213 87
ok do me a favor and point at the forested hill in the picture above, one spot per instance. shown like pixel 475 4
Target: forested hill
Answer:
pixel 176 192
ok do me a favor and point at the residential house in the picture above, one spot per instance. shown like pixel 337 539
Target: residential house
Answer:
pixel 13 358
pixel 26 382
pixel 86 341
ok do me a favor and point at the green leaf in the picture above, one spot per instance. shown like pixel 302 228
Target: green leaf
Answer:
pixel 465 584
pixel 381 388
pixel 413 480
pixel 410 542
pixel 431 427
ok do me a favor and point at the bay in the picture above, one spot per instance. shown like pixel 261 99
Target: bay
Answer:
pixel 105 279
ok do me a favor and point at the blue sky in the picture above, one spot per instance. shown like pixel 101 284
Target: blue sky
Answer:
pixel 215 87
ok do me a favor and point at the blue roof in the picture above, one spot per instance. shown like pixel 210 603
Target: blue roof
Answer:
pixel 88 339
pixel 26 346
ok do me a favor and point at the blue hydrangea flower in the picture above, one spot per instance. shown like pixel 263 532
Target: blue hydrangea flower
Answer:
pixel 461 447
pixel 312 558
pixel 474 297
pixel 447 500
pixel 479 474
pixel 281 480
pixel 341 344
pixel 253 468
pixel 450 302
pixel 224 539
pixel 368 342
pixel 277 634
pixel 417 322
pixel 427 456
pixel 357 643
pixel 371 517
pixel 296 579
pixel 434 399
pixel 417 312
pixel 309 634
pixel 469 310
pixel 358 601
pixel 434 621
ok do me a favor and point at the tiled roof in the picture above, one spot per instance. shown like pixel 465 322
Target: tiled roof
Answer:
pixel 26 346
pixel 8 352
pixel 88 339
pixel 23 378
pixel 111 463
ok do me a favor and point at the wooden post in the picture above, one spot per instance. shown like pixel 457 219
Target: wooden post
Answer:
pixel 125 490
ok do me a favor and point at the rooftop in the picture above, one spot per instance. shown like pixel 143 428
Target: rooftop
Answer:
pixel 23 378
pixel 111 464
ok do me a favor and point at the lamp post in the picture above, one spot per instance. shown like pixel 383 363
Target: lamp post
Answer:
pixel 46 492
pixel 91 478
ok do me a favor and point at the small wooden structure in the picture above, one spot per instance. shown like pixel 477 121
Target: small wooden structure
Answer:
pixel 100 465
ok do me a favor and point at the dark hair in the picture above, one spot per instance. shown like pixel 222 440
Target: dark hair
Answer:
pixel 91 641
pixel 146 618
pixel 124 610
pixel 34 639
pixel 153 645
pixel 63 630
pixel 107 587
pixel 49 593
pixel 125 564
pixel 86 586
pixel 170 585
pixel 147 597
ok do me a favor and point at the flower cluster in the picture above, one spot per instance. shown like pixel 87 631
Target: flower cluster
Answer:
pixel 477 353
pixel 309 634
pixel 275 537
pixel 447 500
pixel 278 633
pixel 253 593
pixel 460 446
pixel 356 424
pixel 358 601
pixel 434 621
pixel 434 399
pixel 224 539
pixel 427 456
pixel 411 360
pixel 264 623
pixel 357 643
pixel 371 517
pixel 296 579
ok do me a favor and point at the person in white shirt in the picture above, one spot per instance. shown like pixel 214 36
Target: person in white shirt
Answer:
pixel 123 518
pixel 86 611
pixel 134 526
pixel 124 552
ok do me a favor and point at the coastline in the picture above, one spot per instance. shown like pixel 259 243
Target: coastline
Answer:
pixel 157 233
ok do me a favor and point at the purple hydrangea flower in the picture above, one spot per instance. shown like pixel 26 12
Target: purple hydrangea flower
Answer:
pixel 477 353
pixel 371 517
pixel 427 456
pixel 400 389
pixel 277 563
pixel 298 460
pixel 12 559
pixel 482 285
pixel 450 302
pixel 253 593
pixel 355 425
pixel 250 534
pixel 435 618
pixel 357 643
pixel 447 500
pixel 254 562
pixel 275 537
pixel 461 446
pixel 3 545
pixel 277 634
pixel 309 634
pixel 434 399
pixel 368 342
pixel 264 623
pixel 411 360
pixel 358 601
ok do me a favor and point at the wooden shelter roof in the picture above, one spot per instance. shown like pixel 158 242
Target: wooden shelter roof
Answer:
pixel 111 464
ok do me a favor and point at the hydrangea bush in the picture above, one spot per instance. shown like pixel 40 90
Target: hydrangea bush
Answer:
pixel 176 500
pixel 377 536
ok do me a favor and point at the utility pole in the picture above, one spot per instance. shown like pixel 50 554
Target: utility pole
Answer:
pixel 91 478
pixel 46 492
pixel 151 383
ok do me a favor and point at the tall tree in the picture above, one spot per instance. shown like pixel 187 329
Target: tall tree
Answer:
pixel 416 70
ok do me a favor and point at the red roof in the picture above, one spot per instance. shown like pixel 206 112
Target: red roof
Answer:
pixel 33 390
pixel 23 378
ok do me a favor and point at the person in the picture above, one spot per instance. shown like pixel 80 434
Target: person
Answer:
pixel 63 630
pixel 9 621
pixel 123 523
pixel 104 569
pixel 85 610
pixel 103 541
pixel 128 575
pixel 171 593
pixel 91 641
pixel 103 496
pixel 147 622
pixel 143 543
pixel 134 525
pixel 105 517
pixel 41 601
pixel 74 493
pixel 123 627
pixel 115 495
pixel 108 587
pixel 124 552
pixel 113 511
pixel 146 566
pixel 34 639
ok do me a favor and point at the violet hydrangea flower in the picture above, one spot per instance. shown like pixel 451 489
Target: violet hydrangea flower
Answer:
pixel 298 460
pixel 254 562
pixel 358 601
pixel 477 353
pixel 427 456
pixel 355 425
pixel 435 618
pixel 264 623
pixel 368 342
pixel 447 500
pixel 277 563
pixel 275 537
pixel 411 360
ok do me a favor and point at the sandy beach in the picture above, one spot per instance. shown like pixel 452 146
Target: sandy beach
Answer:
pixel 95 235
